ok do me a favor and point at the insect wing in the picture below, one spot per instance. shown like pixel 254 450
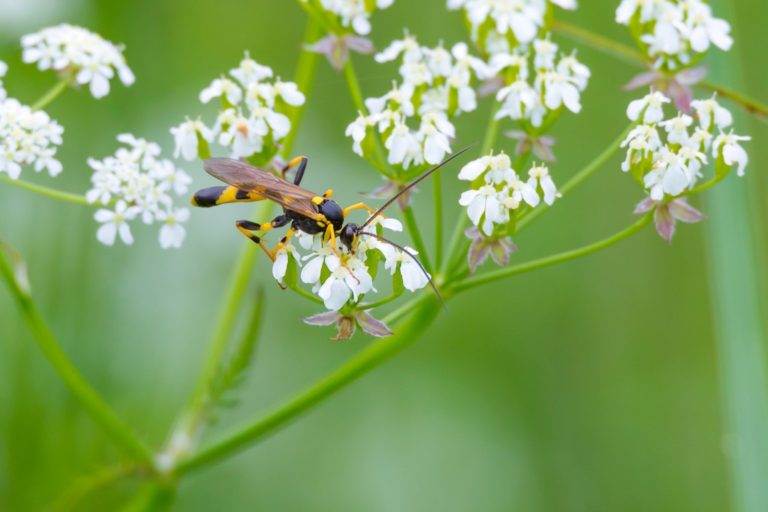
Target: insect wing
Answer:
pixel 252 179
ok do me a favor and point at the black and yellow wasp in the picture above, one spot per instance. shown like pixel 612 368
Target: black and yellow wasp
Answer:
pixel 304 210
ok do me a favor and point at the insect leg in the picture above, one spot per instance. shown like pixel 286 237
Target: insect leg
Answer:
pixel 358 206
pixel 283 241
pixel 248 228
pixel 215 196
pixel 301 161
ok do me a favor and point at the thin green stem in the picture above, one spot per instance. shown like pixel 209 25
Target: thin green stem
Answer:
pixel 577 179
pixel 93 403
pixel 306 69
pixel 52 93
pixel 45 191
pixel 380 302
pixel 437 193
pixel 309 296
pixel 630 55
pixel 357 98
pixel 418 241
pixel 455 245
pixel 238 282
pixel 489 277
pixel 422 315
pixel 86 486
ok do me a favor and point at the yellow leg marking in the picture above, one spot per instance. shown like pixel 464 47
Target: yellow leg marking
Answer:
pixel 358 206
pixel 254 238
pixel 328 193
pixel 283 242
pixel 293 163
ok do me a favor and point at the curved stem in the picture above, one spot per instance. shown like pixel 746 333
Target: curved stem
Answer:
pixel 309 296
pixel 238 283
pixel 577 179
pixel 52 93
pixel 418 240
pixel 96 406
pixel 421 317
pixel 632 56
pixel 489 277
pixel 45 191
pixel 380 302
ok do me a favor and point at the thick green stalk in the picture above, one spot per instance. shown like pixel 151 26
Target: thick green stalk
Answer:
pixel 53 93
pixel 734 261
pixel 580 177
pixel 420 318
pixel 502 273
pixel 45 191
pixel 96 406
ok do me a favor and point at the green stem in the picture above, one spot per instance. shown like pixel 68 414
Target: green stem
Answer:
pixel 53 93
pixel 96 406
pixel 306 69
pixel 457 238
pixel 238 282
pixel 309 296
pixel 489 277
pixel 418 240
pixel 380 302
pixel 632 56
pixel 45 191
pixel 437 190
pixel 375 354
pixel 580 177
pixel 357 98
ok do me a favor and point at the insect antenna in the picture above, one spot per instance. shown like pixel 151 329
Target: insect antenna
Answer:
pixel 403 249
pixel 411 185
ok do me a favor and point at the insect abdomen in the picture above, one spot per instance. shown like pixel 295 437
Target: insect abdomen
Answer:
pixel 215 196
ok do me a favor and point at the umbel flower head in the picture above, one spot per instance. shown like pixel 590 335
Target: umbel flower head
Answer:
pixel 413 118
pixel 498 26
pixel 27 137
pixel 539 85
pixel 251 120
pixel 674 34
pixel 342 277
pixel 497 194
pixel 140 185
pixel 74 51
pixel 667 156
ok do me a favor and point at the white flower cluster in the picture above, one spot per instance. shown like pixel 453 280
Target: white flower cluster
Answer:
pixel 413 118
pixel 339 276
pixel 667 156
pixel 354 13
pixel 68 49
pixel 674 32
pixel 251 120
pixel 27 137
pixel 557 83
pixel 500 25
pixel 140 185
pixel 497 191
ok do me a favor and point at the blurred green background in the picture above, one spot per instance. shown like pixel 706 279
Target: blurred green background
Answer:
pixel 591 386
